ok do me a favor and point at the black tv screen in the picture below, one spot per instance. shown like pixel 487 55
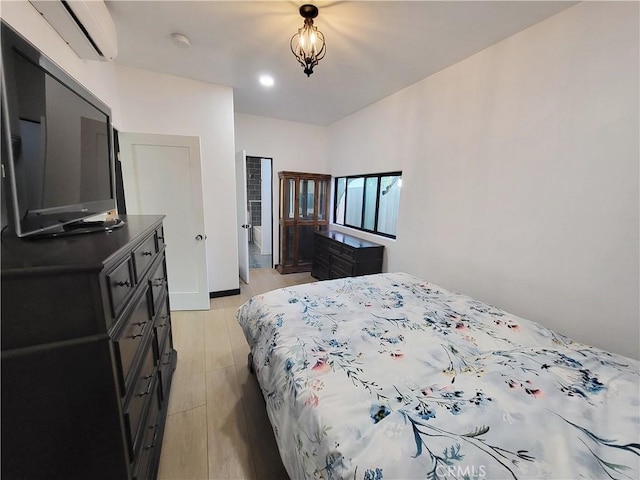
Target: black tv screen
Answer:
pixel 58 157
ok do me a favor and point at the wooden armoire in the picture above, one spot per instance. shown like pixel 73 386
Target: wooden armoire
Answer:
pixel 304 209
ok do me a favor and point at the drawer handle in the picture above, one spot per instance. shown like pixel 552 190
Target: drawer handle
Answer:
pixel 168 355
pixel 155 435
pixel 122 284
pixel 158 282
pixel 148 391
pixel 141 332
pixel 147 254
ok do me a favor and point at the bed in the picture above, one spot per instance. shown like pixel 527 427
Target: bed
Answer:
pixel 391 377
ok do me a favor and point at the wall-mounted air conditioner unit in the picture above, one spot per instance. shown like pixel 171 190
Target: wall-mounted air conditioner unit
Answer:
pixel 86 26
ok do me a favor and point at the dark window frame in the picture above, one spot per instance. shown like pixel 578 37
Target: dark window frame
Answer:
pixel 364 196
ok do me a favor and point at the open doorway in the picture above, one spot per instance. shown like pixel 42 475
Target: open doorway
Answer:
pixel 260 206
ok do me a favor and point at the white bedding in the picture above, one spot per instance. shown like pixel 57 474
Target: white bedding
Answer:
pixel 390 377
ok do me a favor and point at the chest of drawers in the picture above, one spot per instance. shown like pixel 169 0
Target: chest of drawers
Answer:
pixel 87 354
pixel 338 255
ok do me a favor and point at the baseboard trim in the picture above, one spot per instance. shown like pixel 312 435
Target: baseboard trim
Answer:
pixel 224 293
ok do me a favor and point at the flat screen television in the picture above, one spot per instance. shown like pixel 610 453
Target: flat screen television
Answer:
pixel 57 146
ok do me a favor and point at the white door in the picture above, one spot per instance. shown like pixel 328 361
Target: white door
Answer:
pixel 243 223
pixel 161 175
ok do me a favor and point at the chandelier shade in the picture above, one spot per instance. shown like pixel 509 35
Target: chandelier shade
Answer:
pixel 308 44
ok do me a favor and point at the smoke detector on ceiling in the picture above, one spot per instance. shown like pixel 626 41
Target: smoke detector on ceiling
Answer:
pixel 180 40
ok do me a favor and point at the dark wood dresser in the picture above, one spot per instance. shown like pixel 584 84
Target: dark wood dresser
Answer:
pixel 338 255
pixel 87 354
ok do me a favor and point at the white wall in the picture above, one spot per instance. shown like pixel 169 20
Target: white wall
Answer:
pixel 292 146
pixel 97 77
pixel 165 104
pixel 520 173
pixel 146 102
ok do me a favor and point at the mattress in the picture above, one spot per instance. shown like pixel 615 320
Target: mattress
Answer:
pixel 391 377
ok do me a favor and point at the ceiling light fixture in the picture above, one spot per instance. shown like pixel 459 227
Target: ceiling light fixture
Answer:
pixel 308 44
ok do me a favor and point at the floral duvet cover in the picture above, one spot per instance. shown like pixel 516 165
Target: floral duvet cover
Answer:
pixel 391 377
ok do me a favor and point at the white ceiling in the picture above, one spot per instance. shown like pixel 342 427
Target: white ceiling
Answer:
pixel 374 48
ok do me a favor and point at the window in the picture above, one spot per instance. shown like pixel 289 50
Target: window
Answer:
pixel 368 202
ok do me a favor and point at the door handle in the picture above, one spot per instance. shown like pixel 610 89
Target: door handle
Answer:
pixel 246 226
pixel 199 237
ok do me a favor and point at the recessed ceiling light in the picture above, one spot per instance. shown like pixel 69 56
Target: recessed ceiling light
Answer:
pixel 180 40
pixel 266 80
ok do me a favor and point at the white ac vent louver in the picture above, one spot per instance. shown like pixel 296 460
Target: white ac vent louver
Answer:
pixel 86 26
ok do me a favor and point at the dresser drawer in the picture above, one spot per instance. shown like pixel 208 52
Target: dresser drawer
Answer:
pixel 140 392
pixel 321 252
pixel 150 438
pixel 338 263
pixel 348 252
pixel 120 285
pixel 160 244
pixel 158 283
pixel 366 268
pixel 165 365
pixel 319 272
pixel 335 273
pixel 130 338
pixel 162 323
pixel 144 255
pixel 320 267
pixel 334 247
pixel 321 242
pixel 321 263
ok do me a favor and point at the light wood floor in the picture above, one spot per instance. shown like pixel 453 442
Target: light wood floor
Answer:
pixel 217 427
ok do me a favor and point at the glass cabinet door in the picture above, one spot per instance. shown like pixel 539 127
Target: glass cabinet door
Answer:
pixel 306 199
pixel 305 244
pixel 288 186
pixel 289 246
pixel 322 199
